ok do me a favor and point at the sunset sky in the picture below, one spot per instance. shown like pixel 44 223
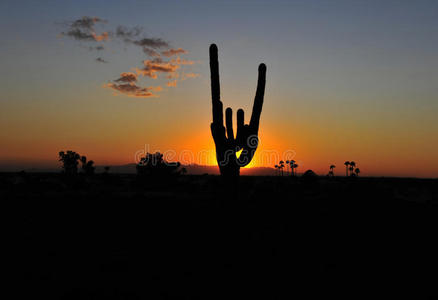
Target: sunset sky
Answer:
pixel 346 80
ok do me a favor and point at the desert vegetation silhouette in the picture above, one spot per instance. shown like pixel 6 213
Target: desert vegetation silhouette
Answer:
pixel 331 173
pixel 153 165
pixel 70 161
pixel 246 139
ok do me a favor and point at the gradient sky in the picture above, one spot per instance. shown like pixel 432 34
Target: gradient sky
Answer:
pixel 346 80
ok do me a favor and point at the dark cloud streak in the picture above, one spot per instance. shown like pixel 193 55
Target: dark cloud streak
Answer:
pixel 154 43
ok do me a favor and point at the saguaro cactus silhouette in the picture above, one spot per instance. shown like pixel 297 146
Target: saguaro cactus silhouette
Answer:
pixel 247 134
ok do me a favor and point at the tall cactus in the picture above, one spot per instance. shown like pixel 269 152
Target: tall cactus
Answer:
pixel 247 134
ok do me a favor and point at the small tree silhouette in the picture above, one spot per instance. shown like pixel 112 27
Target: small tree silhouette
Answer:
pixel 106 169
pixel 357 171
pixel 331 172
pixel 155 165
pixel 70 161
pixel 183 171
pixel 87 166
pixel 347 164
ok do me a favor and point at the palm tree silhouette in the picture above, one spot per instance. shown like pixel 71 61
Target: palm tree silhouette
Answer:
pixel 287 167
pixel 332 173
pixel 292 163
pixel 276 170
pixel 347 164
pixel 281 166
pixel 352 166
pixel 294 166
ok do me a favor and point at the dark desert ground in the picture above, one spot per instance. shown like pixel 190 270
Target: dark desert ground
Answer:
pixel 114 236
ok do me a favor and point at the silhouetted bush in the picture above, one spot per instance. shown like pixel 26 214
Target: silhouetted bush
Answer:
pixel 154 165
pixel 70 161
pixel 87 166
pixel 309 175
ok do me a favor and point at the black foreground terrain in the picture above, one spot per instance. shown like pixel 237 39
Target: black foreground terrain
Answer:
pixel 121 237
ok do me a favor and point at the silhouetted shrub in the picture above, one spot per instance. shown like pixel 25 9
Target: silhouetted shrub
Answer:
pixel 309 175
pixel 87 166
pixel 70 161
pixel 155 165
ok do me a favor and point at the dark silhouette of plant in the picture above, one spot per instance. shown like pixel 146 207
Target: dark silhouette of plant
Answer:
pixel 277 172
pixel 155 165
pixel 106 169
pixel 352 166
pixel 183 171
pixel 357 171
pixel 87 166
pixel 246 138
pixel 331 172
pixel 347 164
pixel 309 177
pixel 70 161
pixel 281 167
pixel 291 165
pixel 287 167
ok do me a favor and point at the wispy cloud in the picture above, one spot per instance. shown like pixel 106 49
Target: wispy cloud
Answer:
pixel 157 65
pixel 83 29
pixel 101 60
pixel 133 90
pixel 172 83
pixel 171 52
pixel 151 52
pixel 190 75
pixel 87 22
pixel 127 77
pixel 128 33
pixel 154 43
pixel 182 61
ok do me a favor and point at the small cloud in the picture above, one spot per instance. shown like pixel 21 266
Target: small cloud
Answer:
pixel 133 90
pixel 152 67
pixel 101 60
pixel 172 83
pixel 154 43
pixel 87 22
pixel 172 75
pixel 190 75
pixel 128 33
pixel 102 37
pixel 77 34
pixel 83 29
pixel 151 52
pixel 127 77
pixel 171 52
pixel 182 61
